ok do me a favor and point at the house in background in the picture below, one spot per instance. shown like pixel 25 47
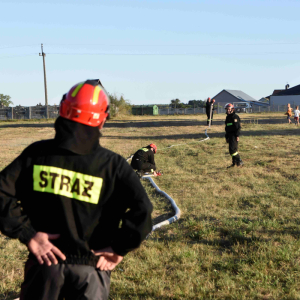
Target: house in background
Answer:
pixel 230 96
pixel 283 97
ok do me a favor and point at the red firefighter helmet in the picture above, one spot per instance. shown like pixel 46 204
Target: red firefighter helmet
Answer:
pixel 154 147
pixel 86 103
pixel 228 105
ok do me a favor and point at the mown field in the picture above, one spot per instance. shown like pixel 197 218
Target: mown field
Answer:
pixel 238 236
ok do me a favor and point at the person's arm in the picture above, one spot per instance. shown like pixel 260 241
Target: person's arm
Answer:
pixel 108 259
pixel 226 134
pixel 151 158
pixel 237 124
pixel 15 223
pixel 136 219
pixel 207 107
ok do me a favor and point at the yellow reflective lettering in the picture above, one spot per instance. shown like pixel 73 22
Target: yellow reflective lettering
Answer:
pixel 67 183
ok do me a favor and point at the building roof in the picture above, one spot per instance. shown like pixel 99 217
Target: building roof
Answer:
pixel 289 92
pixel 275 92
pixel 238 94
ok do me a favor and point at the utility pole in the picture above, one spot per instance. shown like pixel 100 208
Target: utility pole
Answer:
pixel 45 80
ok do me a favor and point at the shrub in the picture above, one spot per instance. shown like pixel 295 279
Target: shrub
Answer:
pixel 119 106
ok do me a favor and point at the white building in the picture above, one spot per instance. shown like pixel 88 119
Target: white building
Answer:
pixel 286 96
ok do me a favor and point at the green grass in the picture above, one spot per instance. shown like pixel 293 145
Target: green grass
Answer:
pixel 238 237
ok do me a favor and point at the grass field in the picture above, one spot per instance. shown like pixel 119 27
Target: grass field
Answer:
pixel 238 237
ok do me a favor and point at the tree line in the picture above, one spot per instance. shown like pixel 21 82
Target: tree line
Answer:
pixel 5 100
pixel 176 103
pixel 120 105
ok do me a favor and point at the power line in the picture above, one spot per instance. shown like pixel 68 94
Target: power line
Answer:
pixel 172 54
pixel 17 46
pixel 176 45
pixel 159 45
pixel 155 54
pixel 13 56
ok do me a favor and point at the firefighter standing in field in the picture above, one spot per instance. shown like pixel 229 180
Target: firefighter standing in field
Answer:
pixel 209 110
pixel 143 160
pixel 65 197
pixel 232 129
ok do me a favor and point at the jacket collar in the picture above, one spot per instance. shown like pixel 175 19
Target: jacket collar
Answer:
pixel 76 137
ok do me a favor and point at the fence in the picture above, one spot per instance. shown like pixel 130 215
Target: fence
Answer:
pixel 181 111
pixel 220 110
pixel 45 112
pixel 270 108
pixel 31 112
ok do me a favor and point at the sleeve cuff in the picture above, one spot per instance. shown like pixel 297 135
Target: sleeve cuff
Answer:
pixel 121 252
pixel 27 234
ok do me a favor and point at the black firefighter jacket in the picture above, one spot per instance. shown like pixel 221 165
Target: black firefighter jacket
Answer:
pixel 145 155
pixel 232 125
pixel 72 186
pixel 208 107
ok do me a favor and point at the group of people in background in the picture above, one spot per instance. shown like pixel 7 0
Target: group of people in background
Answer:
pixel 143 159
pixel 289 113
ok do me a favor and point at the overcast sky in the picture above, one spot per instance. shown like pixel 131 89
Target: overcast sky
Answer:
pixel 149 51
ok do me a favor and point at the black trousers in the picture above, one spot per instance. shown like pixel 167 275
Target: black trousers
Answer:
pixel 64 281
pixel 142 166
pixel 233 148
pixel 208 117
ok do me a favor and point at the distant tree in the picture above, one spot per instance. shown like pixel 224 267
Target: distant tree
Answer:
pixel 175 103
pixel 197 103
pixel 119 105
pixel 5 100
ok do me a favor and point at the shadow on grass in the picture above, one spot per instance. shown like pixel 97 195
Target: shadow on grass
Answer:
pixel 10 295
pixel 151 123
pixel 284 231
pixel 30 125
pixel 159 123
pixel 181 122
pixel 201 136
pixel 228 237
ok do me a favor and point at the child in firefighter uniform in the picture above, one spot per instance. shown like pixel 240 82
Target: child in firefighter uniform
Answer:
pixel 232 129
pixel 143 160
pixel 65 198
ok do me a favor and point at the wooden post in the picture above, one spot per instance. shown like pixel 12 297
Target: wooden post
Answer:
pixel 211 110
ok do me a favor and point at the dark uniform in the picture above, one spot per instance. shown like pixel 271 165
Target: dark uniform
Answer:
pixel 209 109
pixel 72 186
pixel 233 128
pixel 143 160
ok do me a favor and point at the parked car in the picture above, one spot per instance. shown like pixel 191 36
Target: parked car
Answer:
pixel 242 107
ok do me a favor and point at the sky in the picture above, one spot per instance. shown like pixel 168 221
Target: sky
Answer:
pixel 149 51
